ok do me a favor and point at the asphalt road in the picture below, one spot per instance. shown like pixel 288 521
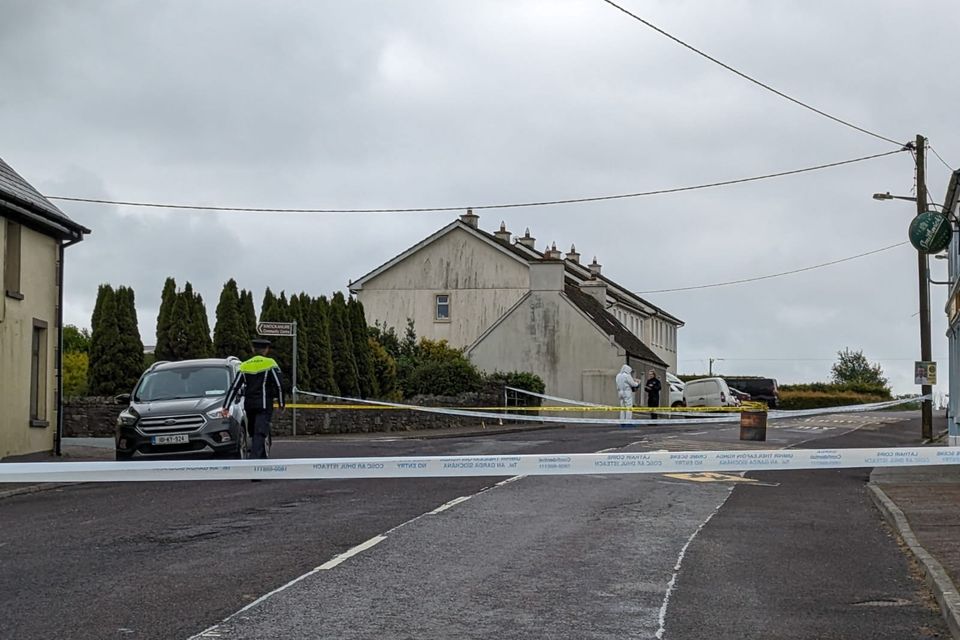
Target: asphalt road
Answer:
pixel 559 557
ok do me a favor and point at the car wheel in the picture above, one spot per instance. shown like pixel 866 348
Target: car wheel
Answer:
pixel 678 403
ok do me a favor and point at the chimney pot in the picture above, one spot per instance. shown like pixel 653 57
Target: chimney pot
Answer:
pixel 595 267
pixel 552 253
pixel 527 240
pixel 503 235
pixel 572 255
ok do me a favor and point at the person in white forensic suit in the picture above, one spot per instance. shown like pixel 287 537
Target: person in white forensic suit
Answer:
pixel 626 386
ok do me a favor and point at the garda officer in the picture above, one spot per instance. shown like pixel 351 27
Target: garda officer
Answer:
pixel 258 382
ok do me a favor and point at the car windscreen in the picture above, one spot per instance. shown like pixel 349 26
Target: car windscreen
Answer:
pixel 183 382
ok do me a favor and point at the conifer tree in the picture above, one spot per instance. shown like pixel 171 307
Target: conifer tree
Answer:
pixel 341 346
pixel 104 371
pixel 130 350
pixel 321 358
pixel 230 334
pixel 201 325
pixel 297 306
pixel 162 350
pixel 361 350
pixel 248 314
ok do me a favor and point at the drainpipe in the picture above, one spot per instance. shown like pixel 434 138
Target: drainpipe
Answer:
pixel 58 432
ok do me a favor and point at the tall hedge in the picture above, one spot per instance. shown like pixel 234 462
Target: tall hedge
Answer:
pixel 304 377
pixel 248 313
pixel 231 333
pixel 341 344
pixel 163 349
pixel 366 374
pixel 322 374
pixel 104 369
pixel 129 352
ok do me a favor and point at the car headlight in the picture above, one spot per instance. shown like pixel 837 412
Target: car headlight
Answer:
pixel 127 419
pixel 220 413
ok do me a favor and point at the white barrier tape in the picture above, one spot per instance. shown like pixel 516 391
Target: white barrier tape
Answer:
pixel 527 418
pixel 473 466
pixel 731 417
pixel 852 408
pixel 554 398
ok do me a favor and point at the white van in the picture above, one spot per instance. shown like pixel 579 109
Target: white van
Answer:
pixel 708 392
pixel 676 390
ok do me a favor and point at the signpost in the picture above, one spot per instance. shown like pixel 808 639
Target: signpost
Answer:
pixel 284 329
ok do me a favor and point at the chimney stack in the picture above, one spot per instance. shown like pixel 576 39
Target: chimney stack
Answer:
pixel 503 235
pixel 594 268
pixel 572 255
pixel 596 289
pixel 553 253
pixel 470 218
pixel 527 240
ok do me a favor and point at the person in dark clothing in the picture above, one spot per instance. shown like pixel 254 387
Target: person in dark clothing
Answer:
pixel 652 387
pixel 258 383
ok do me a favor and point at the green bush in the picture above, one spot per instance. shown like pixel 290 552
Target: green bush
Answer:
pixel 790 400
pixel 518 380
pixel 443 378
pixel 865 388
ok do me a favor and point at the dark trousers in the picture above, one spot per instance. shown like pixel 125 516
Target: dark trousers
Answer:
pixel 653 400
pixel 258 430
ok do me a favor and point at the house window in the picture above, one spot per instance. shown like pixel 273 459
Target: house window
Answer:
pixel 38 375
pixel 11 261
pixel 443 306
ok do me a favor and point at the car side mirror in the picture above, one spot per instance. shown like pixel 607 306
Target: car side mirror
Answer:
pixel 123 398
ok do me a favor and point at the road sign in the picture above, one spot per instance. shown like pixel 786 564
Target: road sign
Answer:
pixel 925 373
pixel 930 232
pixel 276 328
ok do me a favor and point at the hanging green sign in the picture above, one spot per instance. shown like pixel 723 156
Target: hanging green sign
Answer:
pixel 930 232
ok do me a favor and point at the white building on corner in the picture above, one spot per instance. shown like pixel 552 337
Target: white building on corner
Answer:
pixel 513 307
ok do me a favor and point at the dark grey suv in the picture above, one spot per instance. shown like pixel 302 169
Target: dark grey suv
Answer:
pixel 177 407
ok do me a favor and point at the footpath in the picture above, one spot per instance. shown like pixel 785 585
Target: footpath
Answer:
pixel 923 505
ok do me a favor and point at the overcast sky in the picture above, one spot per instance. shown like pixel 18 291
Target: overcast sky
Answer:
pixel 406 104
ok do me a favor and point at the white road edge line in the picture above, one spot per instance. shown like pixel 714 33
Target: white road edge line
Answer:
pixel 447 505
pixel 360 548
pixel 662 618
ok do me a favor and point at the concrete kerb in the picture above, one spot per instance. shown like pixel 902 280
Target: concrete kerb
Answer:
pixel 940 583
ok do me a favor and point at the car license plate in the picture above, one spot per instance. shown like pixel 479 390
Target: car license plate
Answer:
pixel 180 438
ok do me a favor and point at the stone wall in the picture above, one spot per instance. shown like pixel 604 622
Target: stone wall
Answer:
pixel 90 417
pixel 97 417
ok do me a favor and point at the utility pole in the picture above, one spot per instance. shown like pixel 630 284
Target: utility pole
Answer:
pixel 923 267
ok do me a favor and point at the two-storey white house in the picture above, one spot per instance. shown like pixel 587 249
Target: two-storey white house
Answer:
pixel 33 236
pixel 512 307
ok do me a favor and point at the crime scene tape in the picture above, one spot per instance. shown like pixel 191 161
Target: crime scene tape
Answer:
pixel 477 466
pixel 492 415
pixel 552 398
pixel 684 414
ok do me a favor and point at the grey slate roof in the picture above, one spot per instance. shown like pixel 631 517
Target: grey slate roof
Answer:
pixel 17 191
pixel 610 325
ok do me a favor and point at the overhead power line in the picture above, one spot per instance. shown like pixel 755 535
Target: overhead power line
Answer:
pixel 749 78
pixel 938 157
pixel 541 203
pixel 778 275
